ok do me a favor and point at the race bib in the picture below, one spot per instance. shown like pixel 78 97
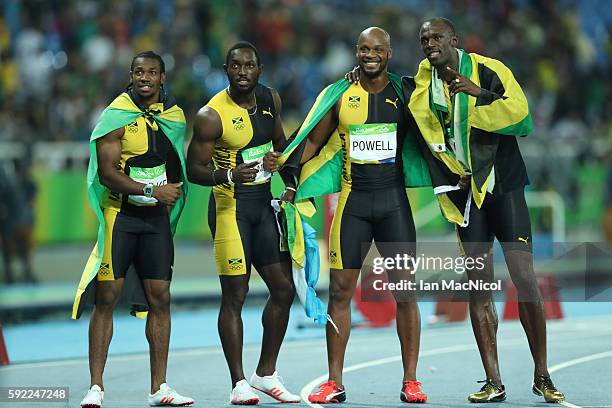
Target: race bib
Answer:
pixel 256 154
pixel 155 175
pixel 373 143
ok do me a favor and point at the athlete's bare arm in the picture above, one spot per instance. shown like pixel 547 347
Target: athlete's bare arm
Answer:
pixel 112 175
pixel 321 133
pixel 207 128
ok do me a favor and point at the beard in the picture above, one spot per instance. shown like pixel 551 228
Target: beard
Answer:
pixel 373 74
pixel 240 89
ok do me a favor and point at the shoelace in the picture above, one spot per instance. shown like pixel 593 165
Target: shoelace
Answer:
pixel 545 382
pixel 323 388
pixel 488 383
pixel 168 390
pixel 413 386
pixel 278 378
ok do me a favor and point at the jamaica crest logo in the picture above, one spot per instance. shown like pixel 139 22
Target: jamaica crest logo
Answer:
pixel 104 270
pixel 235 263
pixel 333 257
pixel 238 123
pixel 354 101
pixel 132 127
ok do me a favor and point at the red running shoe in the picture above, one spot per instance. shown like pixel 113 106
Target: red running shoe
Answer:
pixel 328 392
pixel 412 393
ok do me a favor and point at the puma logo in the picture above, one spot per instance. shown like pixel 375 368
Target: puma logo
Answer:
pixel 268 112
pixel 394 103
pixel 524 240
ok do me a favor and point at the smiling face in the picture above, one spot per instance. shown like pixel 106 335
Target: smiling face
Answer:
pixel 373 51
pixel 243 70
pixel 146 78
pixel 438 42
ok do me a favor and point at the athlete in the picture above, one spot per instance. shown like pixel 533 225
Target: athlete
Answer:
pixel 466 108
pixel 367 123
pixel 235 131
pixel 477 107
pixel 135 182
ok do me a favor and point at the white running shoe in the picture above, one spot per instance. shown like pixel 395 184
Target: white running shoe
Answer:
pixel 272 386
pixel 242 394
pixel 94 397
pixel 167 397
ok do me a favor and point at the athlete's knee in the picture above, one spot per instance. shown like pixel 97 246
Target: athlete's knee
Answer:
pixel 234 299
pixel 285 295
pixel 160 301
pixel 340 292
pixel 405 299
pixel 526 284
pixel 481 306
pixel 107 296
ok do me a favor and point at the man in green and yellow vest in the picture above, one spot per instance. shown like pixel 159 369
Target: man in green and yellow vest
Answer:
pixel 469 110
pixel 136 186
pixel 354 141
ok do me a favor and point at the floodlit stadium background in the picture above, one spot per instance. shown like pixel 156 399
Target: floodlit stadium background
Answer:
pixel 62 62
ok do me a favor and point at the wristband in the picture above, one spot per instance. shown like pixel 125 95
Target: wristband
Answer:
pixel 229 176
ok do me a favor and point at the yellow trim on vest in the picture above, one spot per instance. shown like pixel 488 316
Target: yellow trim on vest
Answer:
pixel 106 272
pixel 228 249
pixel 335 240
pixel 353 111
pixel 237 133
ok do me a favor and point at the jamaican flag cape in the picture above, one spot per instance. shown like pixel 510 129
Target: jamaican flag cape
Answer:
pixel 476 126
pixel 322 174
pixel 121 112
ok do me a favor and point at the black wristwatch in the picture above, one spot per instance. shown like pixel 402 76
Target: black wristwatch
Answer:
pixel 147 190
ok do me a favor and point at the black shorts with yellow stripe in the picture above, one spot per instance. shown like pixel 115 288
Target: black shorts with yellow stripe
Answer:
pixel 383 215
pixel 504 216
pixel 245 233
pixel 144 240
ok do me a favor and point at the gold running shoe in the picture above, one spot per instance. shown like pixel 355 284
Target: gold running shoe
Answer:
pixel 544 387
pixel 490 392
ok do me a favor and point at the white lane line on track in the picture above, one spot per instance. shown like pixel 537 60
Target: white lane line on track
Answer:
pixel 443 350
pixel 580 360
pixel 206 351
pixel 367 364
pixel 558 326
pixel 577 361
pixel 569 404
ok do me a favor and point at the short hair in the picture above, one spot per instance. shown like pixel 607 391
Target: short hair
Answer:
pixel 449 24
pixel 383 31
pixel 240 45
pixel 151 55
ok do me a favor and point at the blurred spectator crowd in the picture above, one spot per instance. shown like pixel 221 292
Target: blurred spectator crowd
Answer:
pixel 62 61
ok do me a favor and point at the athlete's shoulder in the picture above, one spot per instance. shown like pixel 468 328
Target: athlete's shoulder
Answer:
pixel 491 63
pixel 218 100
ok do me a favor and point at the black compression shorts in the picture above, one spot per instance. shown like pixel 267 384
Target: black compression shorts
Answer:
pixel 502 216
pixel 145 241
pixel 362 215
pixel 244 232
